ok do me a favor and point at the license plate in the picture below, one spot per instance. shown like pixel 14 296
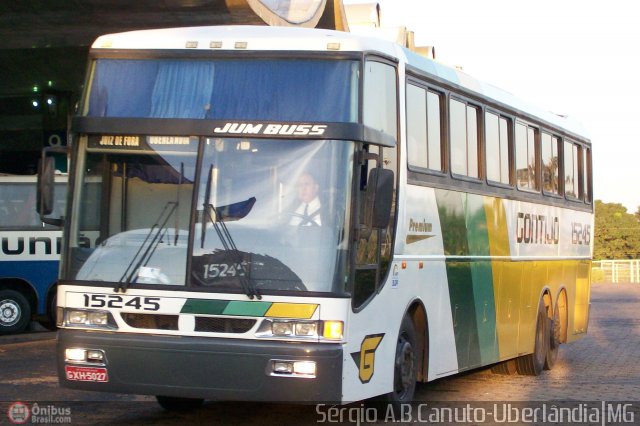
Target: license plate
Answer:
pixel 86 374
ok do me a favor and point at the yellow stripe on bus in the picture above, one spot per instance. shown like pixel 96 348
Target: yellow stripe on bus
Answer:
pixel 292 310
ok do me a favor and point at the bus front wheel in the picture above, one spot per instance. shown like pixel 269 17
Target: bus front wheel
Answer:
pixel 405 367
pixel 173 403
pixel 15 312
pixel 533 364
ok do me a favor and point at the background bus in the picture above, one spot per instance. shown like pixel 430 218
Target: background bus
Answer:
pixel 30 254
pixel 458 231
pixel 30 250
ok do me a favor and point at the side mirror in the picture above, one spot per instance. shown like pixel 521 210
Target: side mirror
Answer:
pixel 46 186
pixel 379 198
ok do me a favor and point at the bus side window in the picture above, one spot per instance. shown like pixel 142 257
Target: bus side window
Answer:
pixel 571 174
pixel 549 163
pixel 586 173
pixel 526 158
pixel 464 139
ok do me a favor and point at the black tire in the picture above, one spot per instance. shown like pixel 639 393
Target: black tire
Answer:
pixel 50 322
pixel 533 364
pixel 15 312
pixel 555 332
pixel 507 368
pixel 173 403
pixel 405 371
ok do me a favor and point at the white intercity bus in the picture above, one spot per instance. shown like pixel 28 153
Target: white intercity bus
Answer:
pixel 29 254
pixel 456 221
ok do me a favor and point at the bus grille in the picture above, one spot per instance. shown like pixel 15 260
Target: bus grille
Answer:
pixel 203 324
pixel 224 325
pixel 151 321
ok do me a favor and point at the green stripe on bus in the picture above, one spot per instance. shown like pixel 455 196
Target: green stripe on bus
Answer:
pixel 482 277
pixel 247 309
pixel 204 306
pixel 451 210
pixel 225 307
pixel 464 229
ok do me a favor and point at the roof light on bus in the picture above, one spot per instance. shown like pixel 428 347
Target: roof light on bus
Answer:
pixel 333 46
pixel 241 45
pixel 333 329
pixel 215 45
pixel 191 44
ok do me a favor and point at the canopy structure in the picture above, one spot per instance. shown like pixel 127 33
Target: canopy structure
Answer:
pixel 45 43
pixel 327 14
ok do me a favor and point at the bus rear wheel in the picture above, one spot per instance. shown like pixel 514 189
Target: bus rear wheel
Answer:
pixel 533 364
pixel 15 312
pixel 555 333
pixel 506 368
pixel 174 403
pixel 405 367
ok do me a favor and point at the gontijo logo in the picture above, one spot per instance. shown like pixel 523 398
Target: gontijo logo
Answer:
pixel 366 358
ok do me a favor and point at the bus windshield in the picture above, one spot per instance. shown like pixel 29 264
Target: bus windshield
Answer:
pixel 248 89
pixel 280 227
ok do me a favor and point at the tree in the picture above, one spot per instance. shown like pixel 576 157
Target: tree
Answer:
pixel 617 232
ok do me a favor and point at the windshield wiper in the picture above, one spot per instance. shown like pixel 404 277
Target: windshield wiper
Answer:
pixel 223 233
pixel 149 249
pixel 230 247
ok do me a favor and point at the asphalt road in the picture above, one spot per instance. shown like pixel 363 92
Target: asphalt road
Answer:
pixel 602 368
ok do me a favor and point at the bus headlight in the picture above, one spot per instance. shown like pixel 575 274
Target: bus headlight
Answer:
pixel 87 318
pixel 332 330
pixel 84 356
pixel 307 329
pixel 295 328
pixel 282 328
pixel 293 368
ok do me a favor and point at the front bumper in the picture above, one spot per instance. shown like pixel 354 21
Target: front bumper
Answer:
pixel 209 368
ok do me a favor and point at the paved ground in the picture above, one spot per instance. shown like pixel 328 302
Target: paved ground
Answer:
pixel 604 366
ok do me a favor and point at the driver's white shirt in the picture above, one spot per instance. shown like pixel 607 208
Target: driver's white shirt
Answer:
pixel 312 207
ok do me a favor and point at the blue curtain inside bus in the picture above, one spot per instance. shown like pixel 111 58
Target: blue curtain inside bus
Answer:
pixel 286 90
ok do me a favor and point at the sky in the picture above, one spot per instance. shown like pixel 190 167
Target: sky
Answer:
pixel 570 57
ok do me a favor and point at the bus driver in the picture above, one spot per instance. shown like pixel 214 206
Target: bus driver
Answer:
pixel 308 212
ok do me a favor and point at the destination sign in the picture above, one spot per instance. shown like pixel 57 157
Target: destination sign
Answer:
pixel 139 142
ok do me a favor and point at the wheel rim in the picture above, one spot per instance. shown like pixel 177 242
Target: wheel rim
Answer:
pixel 404 367
pixel 10 313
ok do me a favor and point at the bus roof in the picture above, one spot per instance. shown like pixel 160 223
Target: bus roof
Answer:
pixel 488 91
pixel 265 38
